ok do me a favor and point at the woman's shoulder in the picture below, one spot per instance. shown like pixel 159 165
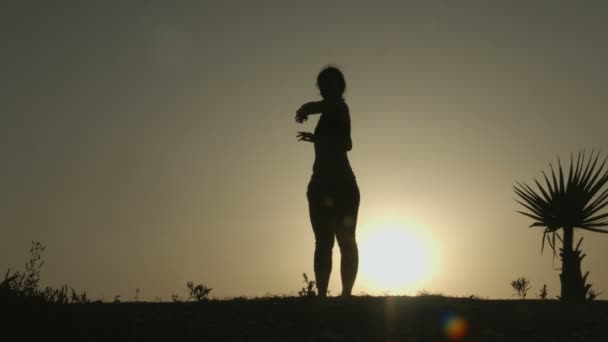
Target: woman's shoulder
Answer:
pixel 339 106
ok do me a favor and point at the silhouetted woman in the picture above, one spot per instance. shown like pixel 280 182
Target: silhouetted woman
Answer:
pixel 333 194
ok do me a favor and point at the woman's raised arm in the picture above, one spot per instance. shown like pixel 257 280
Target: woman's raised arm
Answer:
pixel 315 107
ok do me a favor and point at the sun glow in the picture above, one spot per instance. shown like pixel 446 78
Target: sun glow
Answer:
pixel 396 258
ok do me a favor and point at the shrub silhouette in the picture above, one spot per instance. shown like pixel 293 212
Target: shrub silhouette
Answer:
pixel 543 292
pixel 199 292
pixel 309 289
pixel 176 298
pixel 521 286
pixel 25 285
pixel 592 295
pixel 568 203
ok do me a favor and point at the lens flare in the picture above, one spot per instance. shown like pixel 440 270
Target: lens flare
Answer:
pixel 455 327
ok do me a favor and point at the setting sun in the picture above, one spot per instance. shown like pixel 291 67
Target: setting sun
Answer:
pixel 396 258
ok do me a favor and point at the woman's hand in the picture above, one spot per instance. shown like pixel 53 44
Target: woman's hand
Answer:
pixel 306 136
pixel 302 113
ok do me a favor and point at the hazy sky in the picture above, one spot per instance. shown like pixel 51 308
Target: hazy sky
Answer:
pixel 149 143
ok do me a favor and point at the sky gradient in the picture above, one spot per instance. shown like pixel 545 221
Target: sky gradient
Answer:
pixel 149 143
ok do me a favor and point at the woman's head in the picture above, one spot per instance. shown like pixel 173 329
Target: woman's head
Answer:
pixel 331 83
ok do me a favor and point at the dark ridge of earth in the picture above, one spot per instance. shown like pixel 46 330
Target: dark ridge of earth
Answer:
pixel 354 319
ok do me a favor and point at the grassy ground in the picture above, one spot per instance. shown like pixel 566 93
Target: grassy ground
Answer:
pixel 310 319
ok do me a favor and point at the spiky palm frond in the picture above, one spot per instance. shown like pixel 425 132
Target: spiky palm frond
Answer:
pixel 576 201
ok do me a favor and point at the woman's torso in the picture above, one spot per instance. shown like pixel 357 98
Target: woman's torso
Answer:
pixel 332 141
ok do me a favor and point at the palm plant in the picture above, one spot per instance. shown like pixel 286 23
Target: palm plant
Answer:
pixel 566 204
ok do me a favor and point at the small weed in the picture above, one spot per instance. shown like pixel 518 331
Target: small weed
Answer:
pixel 80 299
pixel 543 292
pixel 592 295
pixel 199 292
pixel 475 297
pixel 176 298
pixel 309 289
pixel 57 296
pixel 12 284
pixel 521 286
pixel 137 292
pixel 32 269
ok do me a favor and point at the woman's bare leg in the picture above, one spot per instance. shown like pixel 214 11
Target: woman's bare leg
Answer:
pixel 323 265
pixel 321 220
pixel 349 262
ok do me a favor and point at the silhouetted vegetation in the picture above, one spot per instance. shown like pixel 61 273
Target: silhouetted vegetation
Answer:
pixel 426 293
pixel 543 292
pixel 199 292
pixel 309 289
pixel 521 286
pixel 360 318
pixel 568 203
pixel 24 286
